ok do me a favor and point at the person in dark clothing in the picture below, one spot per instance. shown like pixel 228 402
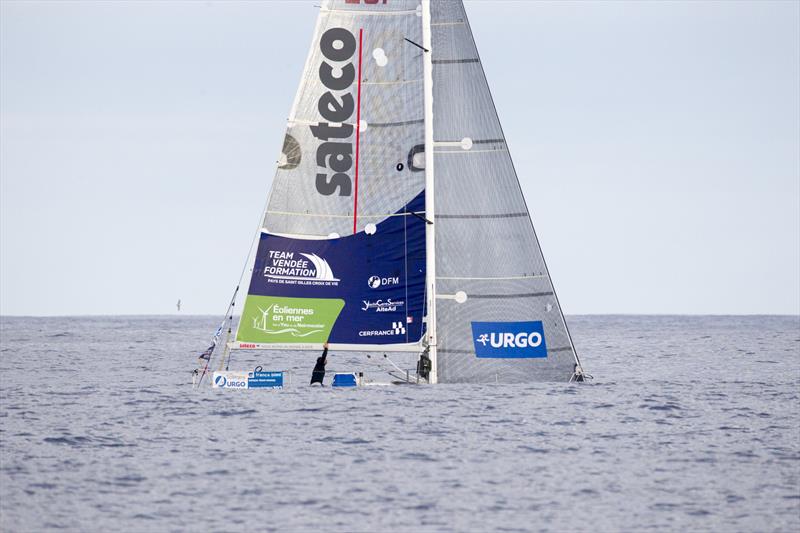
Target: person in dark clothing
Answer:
pixel 424 365
pixel 319 369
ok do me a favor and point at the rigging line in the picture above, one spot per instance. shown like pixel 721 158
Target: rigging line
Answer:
pixel 228 312
pixel 416 44
pixel 422 218
pixel 358 128
pixel 224 319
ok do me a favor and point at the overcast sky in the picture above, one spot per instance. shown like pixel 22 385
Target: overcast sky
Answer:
pixel 656 142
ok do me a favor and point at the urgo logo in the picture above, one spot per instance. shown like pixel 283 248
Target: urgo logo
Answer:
pixel 233 382
pixel 509 339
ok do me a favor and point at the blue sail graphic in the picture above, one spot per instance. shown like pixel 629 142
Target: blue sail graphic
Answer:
pixel 380 278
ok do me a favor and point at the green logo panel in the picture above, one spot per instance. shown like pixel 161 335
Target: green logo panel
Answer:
pixel 280 320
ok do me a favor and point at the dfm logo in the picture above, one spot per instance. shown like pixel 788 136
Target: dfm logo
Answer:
pixel 376 281
pixel 509 339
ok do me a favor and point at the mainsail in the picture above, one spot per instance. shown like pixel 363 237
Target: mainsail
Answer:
pixel 341 255
pixel 393 117
pixel 486 245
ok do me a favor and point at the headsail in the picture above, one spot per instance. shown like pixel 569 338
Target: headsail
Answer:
pixel 510 328
pixel 341 254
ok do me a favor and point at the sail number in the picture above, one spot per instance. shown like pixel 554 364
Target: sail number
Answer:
pixel 337 73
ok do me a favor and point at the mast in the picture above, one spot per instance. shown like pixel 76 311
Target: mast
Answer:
pixel 430 228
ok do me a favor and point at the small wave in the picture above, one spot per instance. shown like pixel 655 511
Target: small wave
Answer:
pixel 418 456
pixel 70 441
pixel 357 441
pixel 531 449
pixel 664 407
pixel 234 413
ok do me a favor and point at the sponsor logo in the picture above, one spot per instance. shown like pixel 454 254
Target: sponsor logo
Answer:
pixel 301 269
pixel 376 281
pixel 273 319
pixel 265 380
pixel 337 73
pixel 290 320
pixel 381 306
pixel 230 380
pixel 398 328
pixel 246 345
pixel 509 339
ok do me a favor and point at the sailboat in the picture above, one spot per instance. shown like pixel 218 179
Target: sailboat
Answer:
pixel 395 221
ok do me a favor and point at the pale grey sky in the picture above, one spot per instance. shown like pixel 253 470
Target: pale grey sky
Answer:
pixel 657 145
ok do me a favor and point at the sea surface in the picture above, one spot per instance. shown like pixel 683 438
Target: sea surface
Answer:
pixel 690 423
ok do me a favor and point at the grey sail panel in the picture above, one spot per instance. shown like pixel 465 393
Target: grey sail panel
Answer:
pixel 392 125
pixel 485 242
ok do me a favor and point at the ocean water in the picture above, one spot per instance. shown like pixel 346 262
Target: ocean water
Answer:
pixel 690 423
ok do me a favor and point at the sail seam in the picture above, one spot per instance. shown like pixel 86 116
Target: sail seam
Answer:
pixel 370 124
pixel 456 350
pixel 323 215
pixel 475 141
pixel 492 278
pixel 499 215
pixel 461 151
pixel 395 82
pixel 452 61
pixel 519 295
pixel 388 124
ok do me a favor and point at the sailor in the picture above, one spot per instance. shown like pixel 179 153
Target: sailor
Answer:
pixel 319 369
pixel 424 365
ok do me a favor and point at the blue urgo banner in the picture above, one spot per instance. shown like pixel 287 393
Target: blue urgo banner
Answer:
pixel 509 340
